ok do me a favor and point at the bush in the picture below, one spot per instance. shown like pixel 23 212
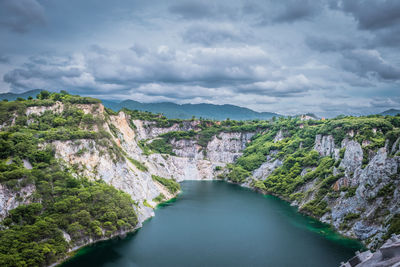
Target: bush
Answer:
pixel 394 225
pixel 238 174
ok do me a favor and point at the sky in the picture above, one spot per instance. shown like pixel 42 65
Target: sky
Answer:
pixel 328 57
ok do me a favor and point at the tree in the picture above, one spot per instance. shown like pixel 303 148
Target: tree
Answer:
pixel 43 95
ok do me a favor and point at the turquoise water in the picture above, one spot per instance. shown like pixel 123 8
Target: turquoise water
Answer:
pixel 213 223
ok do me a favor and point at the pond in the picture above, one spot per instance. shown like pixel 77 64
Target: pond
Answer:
pixel 214 223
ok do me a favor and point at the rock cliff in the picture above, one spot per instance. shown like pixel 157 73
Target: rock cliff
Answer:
pixel 360 204
pixel 364 212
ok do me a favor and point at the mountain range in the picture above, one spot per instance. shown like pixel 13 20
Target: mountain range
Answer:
pixel 183 111
pixel 186 111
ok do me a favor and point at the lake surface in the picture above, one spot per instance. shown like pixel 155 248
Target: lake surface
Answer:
pixel 213 223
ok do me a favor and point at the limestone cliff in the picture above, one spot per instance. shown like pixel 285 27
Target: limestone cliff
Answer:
pixel 365 213
pixel 357 209
pixel 101 160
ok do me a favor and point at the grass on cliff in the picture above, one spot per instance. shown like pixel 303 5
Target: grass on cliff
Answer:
pixel 172 186
pixel 138 164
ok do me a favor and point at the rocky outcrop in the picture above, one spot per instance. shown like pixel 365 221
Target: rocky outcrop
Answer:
pixel 279 136
pixel 266 169
pixel 325 145
pixel 367 202
pixel 10 199
pixel 150 129
pixel 192 162
pixel 353 156
pixel 227 147
pixel 119 168
pixel 58 107
pixel 95 162
pixel 187 149
pixel 363 212
pixel 386 256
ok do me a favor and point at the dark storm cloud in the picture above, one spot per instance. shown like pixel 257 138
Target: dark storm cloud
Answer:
pixel 21 15
pixel 370 63
pixel 327 56
pixel 294 10
pixel 384 102
pixel 372 15
pixel 193 10
pixel 381 18
pixel 198 72
pixel 289 11
pixel 389 37
pixel 323 44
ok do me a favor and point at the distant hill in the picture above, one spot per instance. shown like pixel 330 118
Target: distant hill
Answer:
pixel 186 111
pixel 391 112
pixel 12 96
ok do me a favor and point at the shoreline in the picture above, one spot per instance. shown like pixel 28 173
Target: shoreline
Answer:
pixel 122 235
pixel 71 253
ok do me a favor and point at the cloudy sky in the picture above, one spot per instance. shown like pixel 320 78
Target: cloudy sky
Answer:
pixel 329 57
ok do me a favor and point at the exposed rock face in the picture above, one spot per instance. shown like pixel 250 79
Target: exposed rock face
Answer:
pixel 387 256
pixel 266 169
pixel 396 146
pixel 191 163
pixel 365 204
pixel 279 136
pixel 9 199
pixel 194 162
pixel 227 147
pixel 149 129
pixel 379 173
pixel 325 145
pixel 181 168
pixel 58 107
pixel 96 163
pixel 187 149
pixel 353 156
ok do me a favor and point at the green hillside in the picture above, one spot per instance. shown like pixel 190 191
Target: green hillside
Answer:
pixel 390 112
pixel 25 95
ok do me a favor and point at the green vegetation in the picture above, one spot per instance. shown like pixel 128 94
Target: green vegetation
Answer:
pixel 138 164
pixel 351 192
pixel 387 190
pixel 32 235
pixel 295 151
pixel 158 146
pixel 65 203
pixel 203 132
pixel 351 217
pixel 159 198
pixel 237 174
pixel 172 186
pixel 146 204
pixel 315 208
pixel 394 225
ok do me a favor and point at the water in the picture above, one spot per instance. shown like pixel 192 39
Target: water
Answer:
pixel 214 223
